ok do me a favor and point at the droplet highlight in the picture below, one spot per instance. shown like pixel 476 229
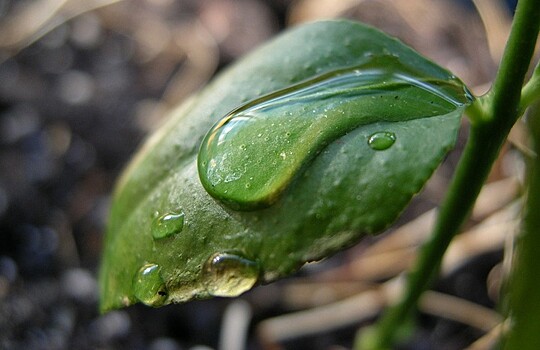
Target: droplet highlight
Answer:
pixel 148 285
pixel 229 275
pixel 299 121
pixel 167 224
pixel 381 140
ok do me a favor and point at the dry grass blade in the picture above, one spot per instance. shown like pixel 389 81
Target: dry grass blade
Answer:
pixel 201 60
pixel 489 340
pixel 367 305
pixel 490 235
pixel 460 310
pixel 235 326
pixel 487 236
pixel 495 196
pixel 34 21
pixel 328 317
pixel 394 253
pixel 28 20
pixel 497 22
pixel 306 293
pixel 309 10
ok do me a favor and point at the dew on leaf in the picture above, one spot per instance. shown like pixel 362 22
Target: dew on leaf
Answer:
pixel 167 224
pixel 229 275
pixel 148 285
pixel 381 140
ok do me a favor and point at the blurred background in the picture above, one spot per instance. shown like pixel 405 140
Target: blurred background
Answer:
pixel 82 82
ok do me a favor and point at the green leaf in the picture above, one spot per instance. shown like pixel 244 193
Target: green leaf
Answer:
pixel 351 122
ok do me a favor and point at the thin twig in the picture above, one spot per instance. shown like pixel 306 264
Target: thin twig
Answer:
pixel 487 236
pixel 38 19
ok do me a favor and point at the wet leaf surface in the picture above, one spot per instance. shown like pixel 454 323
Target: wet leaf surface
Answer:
pixel 370 120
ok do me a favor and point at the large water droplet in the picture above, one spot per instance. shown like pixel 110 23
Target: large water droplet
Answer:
pixel 167 224
pixel 148 285
pixel 229 275
pixel 299 121
pixel 381 140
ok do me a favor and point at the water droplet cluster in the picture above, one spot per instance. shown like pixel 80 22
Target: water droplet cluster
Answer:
pixel 253 153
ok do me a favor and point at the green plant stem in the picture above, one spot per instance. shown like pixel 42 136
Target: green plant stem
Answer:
pixel 531 91
pixel 524 284
pixel 501 110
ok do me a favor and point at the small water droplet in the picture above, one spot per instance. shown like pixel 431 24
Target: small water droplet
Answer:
pixel 148 285
pixel 168 224
pixel 381 140
pixel 229 275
